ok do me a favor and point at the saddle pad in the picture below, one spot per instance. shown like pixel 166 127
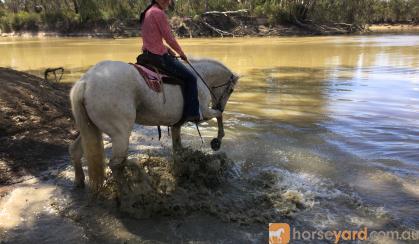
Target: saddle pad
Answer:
pixel 152 79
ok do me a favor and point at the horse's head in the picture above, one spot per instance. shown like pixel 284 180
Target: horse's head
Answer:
pixel 220 80
pixel 224 90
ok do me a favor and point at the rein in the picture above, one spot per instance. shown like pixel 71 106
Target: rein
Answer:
pixel 206 84
pixel 218 101
pixel 225 84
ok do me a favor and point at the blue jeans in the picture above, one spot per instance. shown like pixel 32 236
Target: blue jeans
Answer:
pixel 178 70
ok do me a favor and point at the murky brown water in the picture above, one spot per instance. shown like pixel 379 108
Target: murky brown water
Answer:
pixel 335 117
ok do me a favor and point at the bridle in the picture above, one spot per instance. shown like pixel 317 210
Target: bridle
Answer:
pixel 227 91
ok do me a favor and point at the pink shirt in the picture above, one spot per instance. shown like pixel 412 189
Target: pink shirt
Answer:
pixel 155 28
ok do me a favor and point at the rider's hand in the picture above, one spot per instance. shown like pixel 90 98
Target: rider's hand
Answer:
pixel 171 53
pixel 183 57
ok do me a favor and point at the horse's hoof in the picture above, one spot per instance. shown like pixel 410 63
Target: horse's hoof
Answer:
pixel 215 144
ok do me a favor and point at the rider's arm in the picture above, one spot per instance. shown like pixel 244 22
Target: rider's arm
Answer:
pixel 166 32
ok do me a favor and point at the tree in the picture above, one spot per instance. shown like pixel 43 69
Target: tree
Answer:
pixel 88 10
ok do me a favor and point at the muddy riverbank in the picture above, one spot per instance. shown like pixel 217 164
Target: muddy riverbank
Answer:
pixel 393 28
pixel 35 124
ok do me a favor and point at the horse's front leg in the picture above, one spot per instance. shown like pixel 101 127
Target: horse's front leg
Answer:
pixel 220 123
pixel 216 142
pixel 176 140
pixel 209 113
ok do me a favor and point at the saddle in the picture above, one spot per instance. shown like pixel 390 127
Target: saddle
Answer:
pixel 151 64
pixel 145 64
pixel 153 79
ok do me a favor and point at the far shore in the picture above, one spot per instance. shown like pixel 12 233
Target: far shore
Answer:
pixel 379 28
pixel 373 28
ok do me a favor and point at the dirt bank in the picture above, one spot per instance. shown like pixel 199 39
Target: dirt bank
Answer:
pixel 35 124
pixel 382 28
pixel 241 23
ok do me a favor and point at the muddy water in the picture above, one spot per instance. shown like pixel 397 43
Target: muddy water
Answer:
pixel 335 118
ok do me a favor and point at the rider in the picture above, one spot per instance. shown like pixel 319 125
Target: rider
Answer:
pixel 154 28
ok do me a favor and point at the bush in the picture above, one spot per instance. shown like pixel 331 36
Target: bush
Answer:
pixel 274 13
pixel 61 20
pixel 20 21
pixel 89 11
pixel 24 21
pixel 119 11
pixel 5 25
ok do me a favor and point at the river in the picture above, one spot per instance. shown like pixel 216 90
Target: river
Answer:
pixel 335 117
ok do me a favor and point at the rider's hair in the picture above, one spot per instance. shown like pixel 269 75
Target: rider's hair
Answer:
pixel 142 15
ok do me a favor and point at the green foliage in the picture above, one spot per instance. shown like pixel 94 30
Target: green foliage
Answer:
pixel 393 11
pixel 353 11
pixel 61 20
pixel 20 21
pixel 119 10
pixel 68 14
pixel 5 24
pixel 89 11
pixel 274 13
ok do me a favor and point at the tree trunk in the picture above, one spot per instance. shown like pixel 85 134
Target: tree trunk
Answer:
pixel 76 6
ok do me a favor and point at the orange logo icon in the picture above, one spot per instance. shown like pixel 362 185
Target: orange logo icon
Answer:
pixel 279 233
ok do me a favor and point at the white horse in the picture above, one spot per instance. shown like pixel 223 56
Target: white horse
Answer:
pixel 112 96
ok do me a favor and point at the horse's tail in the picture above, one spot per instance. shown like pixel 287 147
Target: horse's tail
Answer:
pixel 91 137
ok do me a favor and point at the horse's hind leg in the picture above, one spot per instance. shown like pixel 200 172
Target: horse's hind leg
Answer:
pixel 120 142
pixel 121 130
pixel 76 153
pixel 119 151
pixel 176 140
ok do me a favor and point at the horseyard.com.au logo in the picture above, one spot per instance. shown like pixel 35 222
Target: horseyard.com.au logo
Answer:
pixel 279 233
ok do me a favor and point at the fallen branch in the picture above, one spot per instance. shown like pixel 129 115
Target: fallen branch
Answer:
pixel 54 70
pixel 220 32
pixel 240 11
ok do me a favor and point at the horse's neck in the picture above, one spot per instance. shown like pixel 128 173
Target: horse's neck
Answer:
pixel 206 69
